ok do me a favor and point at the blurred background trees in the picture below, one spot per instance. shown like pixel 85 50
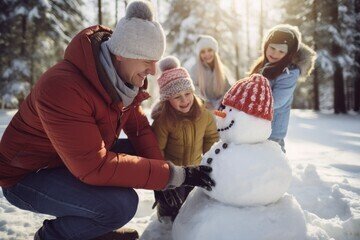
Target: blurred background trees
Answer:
pixel 35 33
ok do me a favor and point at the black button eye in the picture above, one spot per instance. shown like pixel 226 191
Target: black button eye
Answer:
pixel 230 110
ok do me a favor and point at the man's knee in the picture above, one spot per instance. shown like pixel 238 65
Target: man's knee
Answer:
pixel 122 209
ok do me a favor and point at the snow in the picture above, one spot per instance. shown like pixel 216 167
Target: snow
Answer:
pixel 282 220
pixel 17 66
pixel 323 150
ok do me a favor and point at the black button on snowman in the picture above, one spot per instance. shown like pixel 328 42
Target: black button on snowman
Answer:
pixel 217 151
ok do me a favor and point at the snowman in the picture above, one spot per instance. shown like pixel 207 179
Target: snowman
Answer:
pixel 251 173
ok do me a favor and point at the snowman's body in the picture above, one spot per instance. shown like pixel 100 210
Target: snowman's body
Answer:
pixel 252 175
pixel 248 174
pixel 202 217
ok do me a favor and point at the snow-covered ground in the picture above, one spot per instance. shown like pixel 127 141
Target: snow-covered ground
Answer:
pixel 324 150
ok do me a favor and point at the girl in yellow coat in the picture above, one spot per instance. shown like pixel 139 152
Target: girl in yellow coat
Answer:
pixel 184 128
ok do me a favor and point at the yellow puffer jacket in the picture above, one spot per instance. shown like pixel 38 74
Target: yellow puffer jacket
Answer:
pixel 184 142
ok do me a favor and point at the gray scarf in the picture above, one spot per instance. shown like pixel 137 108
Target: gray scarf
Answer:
pixel 126 94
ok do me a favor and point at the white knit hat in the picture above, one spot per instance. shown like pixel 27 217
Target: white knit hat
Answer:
pixel 206 41
pixel 137 35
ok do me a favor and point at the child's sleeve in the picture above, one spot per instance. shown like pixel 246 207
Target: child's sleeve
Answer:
pixel 284 87
pixel 161 133
pixel 211 134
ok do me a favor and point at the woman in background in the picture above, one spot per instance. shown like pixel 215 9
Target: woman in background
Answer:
pixel 211 77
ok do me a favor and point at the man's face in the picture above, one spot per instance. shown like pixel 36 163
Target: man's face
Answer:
pixel 134 71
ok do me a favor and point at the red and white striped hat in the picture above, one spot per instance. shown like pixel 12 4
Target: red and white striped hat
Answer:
pixel 173 79
pixel 251 95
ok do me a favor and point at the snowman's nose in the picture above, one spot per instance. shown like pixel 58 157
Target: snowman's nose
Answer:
pixel 220 113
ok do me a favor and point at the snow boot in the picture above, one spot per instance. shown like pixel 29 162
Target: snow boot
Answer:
pixel 36 236
pixel 120 234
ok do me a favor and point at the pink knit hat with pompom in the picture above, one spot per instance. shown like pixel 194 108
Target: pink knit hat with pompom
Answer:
pixel 173 79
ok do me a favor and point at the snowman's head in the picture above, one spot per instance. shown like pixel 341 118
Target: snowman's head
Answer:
pixel 239 127
pixel 248 111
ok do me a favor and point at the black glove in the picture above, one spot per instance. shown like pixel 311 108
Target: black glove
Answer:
pixel 198 176
pixel 168 197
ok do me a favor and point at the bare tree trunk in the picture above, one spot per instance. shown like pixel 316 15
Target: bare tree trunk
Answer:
pixel 32 60
pixel 338 78
pixel 248 32
pixel 23 34
pixel 357 89
pixel 236 30
pixel 315 79
pixel 261 26
pixel 99 12
pixel 116 11
pixel 357 60
pixel 339 95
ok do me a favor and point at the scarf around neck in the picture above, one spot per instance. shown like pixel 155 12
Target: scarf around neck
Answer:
pixel 126 94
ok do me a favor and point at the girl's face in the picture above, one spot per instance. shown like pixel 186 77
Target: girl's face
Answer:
pixel 274 55
pixel 207 55
pixel 182 101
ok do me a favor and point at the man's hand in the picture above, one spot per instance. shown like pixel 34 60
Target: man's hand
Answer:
pixel 170 197
pixel 198 176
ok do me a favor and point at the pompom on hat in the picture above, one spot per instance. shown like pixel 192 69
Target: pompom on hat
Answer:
pixel 206 41
pixel 137 35
pixel 173 79
pixel 251 95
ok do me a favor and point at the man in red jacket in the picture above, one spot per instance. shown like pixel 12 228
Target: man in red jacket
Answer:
pixel 60 154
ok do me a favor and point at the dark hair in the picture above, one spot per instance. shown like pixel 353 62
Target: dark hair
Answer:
pixel 273 70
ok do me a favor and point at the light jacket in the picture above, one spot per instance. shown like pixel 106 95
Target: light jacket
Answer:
pixel 209 75
pixel 283 88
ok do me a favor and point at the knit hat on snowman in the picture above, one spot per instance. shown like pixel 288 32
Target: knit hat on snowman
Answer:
pixel 248 111
pixel 251 95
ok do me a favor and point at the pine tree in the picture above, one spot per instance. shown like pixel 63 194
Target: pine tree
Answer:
pixel 328 26
pixel 357 56
pixel 304 15
pixel 33 37
pixel 187 19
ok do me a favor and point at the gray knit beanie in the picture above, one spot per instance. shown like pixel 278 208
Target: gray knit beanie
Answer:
pixel 137 35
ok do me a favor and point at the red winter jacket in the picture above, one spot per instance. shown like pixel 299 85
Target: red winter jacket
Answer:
pixel 72 117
